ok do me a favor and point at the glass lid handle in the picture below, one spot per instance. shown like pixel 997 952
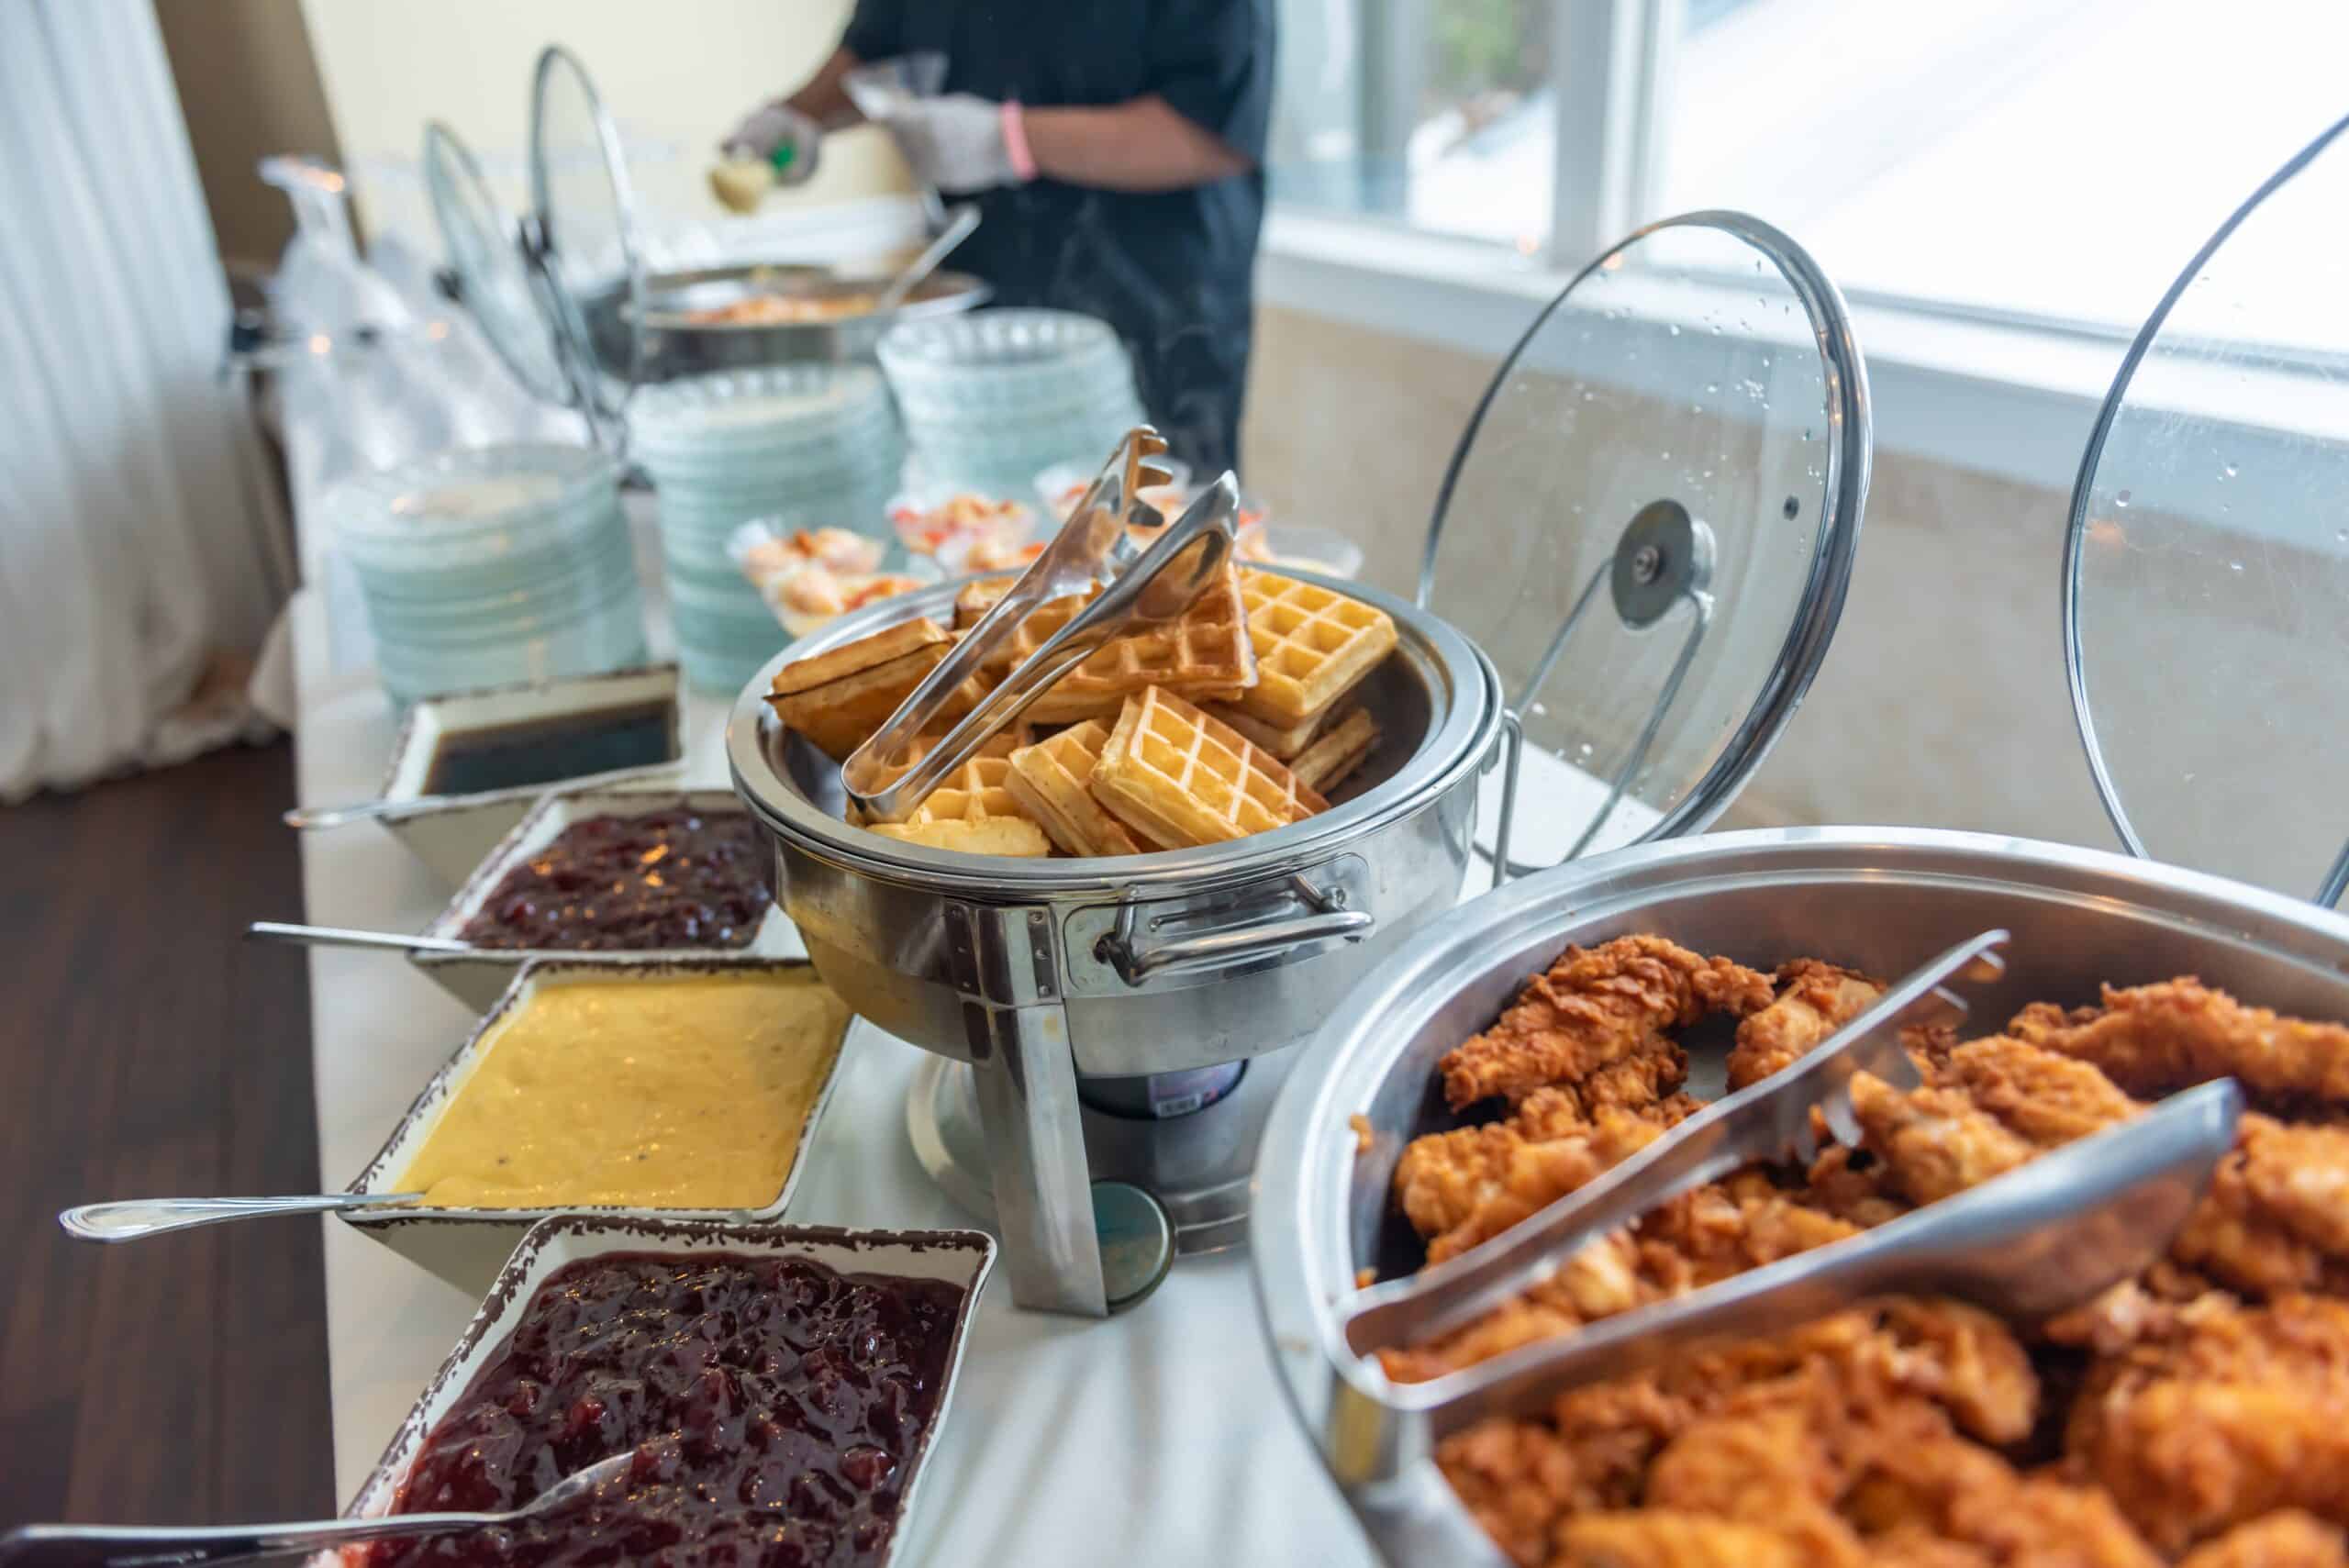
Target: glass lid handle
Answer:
pixel 1664 558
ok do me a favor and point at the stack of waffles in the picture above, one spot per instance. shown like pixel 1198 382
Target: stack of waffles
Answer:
pixel 1235 720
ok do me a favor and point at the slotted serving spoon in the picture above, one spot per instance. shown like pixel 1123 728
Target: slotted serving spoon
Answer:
pixel 103 1546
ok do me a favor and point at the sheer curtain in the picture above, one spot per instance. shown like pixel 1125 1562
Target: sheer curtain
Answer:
pixel 132 549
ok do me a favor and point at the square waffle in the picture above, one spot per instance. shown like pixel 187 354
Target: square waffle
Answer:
pixel 971 812
pixel 1341 750
pixel 1281 741
pixel 1181 778
pixel 1207 652
pixel 1052 782
pixel 1312 645
pixel 836 699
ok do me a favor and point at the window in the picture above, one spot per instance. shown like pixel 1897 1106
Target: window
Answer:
pixel 2053 159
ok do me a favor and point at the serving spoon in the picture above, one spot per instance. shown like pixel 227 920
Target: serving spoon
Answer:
pixel 131 1219
pixel 960 221
pixel 343 937
pixel 105 1546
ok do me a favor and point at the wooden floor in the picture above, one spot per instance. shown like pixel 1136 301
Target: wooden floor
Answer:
pixel 145 1050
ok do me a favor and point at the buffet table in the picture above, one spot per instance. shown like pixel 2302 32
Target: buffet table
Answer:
pixel 1159 1436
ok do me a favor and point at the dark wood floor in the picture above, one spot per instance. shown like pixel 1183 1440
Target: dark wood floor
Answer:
pixel 145 1050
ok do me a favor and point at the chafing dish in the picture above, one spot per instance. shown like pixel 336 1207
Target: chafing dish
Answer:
pixel 1878 899
pixel 1658 632
pixel 676 345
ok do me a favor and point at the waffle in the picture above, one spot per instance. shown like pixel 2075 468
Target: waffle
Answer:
pixel 1341 750
pixel 1282 742
pixel 1206 653
pixel 1312 645
pixel 971 812
pixel 1180 778
pixel 1052 782
pixel 836 699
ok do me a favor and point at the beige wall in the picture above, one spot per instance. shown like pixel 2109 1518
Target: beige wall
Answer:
pixel 249 87
pixel 1943 700
pixel 680 74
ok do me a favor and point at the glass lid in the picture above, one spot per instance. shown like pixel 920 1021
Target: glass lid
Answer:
pixel 1649 523
pixel 485 254
pixel 2206 571
pixel 587 212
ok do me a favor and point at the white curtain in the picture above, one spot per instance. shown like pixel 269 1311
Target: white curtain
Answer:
pixel 131 543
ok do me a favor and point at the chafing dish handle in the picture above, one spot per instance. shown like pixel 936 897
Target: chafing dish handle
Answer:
pixel 1136 957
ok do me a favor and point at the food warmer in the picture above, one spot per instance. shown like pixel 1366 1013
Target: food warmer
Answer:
pixel 2202 568
pixel 564 297
pixel 1697 481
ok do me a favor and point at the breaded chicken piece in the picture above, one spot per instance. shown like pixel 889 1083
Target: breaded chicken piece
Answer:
pixel 1459 1188
pixel 2153 1039
pixel 1814 1000
pixel 1992 1105
pixel 2288 1540
pixel 1776 1468
pixel 2240 1413
pixel 2041 1523
pixel 1595 1006
pixel 2276 1216
pixel 1854 1186
pixel 1659 1537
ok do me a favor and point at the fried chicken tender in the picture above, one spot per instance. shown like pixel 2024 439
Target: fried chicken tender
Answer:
pixel 1992 1105
pixel 2287 1540
pixel 2244 1411
pixel 1462 1187
pixel 1658 1538
pixel 2153 1039
pixel 1595 1006
pixel 1814 1000
pixel 2276 1216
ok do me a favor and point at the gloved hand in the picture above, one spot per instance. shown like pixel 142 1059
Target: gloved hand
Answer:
pixel 772 126
pixel 956 142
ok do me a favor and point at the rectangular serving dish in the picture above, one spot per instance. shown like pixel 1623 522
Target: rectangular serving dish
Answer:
pixel 450 833
pixel 961 1257
pixel 466 1246
pixel 478 978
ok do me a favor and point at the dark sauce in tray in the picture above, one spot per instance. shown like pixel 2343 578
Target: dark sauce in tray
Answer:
pixel 543 750
pixel 778 1409
pixel 674 877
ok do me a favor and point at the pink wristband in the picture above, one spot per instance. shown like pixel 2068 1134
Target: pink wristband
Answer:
pixel 1015 142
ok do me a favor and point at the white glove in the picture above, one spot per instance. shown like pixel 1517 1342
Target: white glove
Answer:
pixel 767 131
pixel 954 143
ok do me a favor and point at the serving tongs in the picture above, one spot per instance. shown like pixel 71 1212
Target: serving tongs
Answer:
pixel 1139 587
pixel 2031 1243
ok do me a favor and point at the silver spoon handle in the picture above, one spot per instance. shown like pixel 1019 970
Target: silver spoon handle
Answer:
pixel 131 1218
pixel 103 1546
pixel 341 937
pixel 308 816
pixel 965 218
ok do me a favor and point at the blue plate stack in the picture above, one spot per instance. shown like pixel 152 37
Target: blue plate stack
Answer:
pixel 993 395
pixel 491 565
pixel 802 446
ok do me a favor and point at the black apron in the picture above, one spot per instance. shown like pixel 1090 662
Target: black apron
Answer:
pixel 1171 271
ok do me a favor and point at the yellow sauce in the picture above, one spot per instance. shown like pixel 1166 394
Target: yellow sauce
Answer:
pixel 683 1093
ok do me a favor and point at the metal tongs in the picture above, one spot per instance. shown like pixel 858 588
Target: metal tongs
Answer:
pixel 2031 1243
pixel 1139 587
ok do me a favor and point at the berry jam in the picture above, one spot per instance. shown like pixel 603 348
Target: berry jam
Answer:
pixel 776 1408
pixel 671 878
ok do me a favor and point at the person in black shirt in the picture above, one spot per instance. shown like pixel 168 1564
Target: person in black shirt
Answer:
pixel 1116 154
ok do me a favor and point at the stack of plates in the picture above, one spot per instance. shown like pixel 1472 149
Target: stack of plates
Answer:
pixel 801 446
pixel 490 566
pixel 992 396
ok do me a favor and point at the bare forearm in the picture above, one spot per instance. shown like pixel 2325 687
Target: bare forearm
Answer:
pixel 823 99
pixel 1142 144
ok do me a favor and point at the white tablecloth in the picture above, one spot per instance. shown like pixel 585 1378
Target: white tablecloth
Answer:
pixel 1158 1435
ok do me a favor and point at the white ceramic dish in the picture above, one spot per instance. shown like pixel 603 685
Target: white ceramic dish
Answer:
pixel 450 833
pixel 466 1246
pixel 961 1257
pixel 478 978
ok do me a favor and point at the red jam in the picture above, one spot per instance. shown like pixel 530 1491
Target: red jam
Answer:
pixel 778 1409
pixel 671 878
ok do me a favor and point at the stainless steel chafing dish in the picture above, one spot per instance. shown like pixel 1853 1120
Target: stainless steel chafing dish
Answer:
pixel 1659 568
pixel 564 297
pixel 2196 533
